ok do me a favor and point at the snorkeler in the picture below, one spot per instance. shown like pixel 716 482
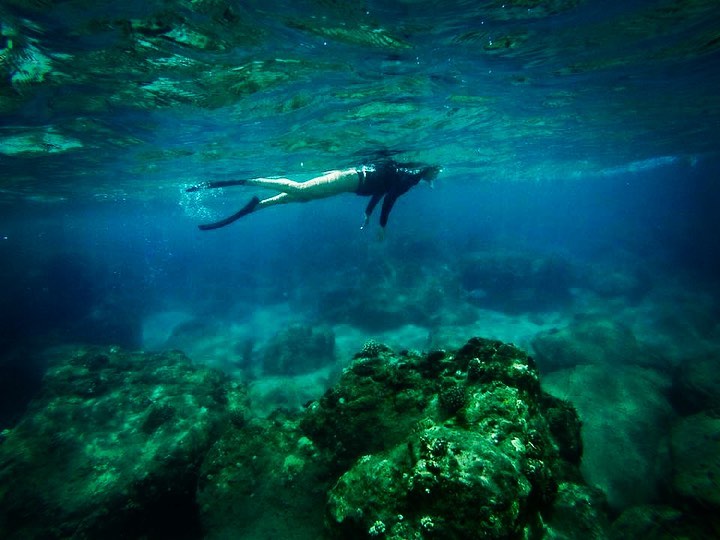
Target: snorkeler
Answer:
pixel 387 179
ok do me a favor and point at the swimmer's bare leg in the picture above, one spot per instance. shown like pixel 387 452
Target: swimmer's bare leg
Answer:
pixel 327 185
pixel 330 183
pixel 279 184
pixel 280 198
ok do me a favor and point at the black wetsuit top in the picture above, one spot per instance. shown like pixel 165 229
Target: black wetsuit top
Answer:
pixel 388 179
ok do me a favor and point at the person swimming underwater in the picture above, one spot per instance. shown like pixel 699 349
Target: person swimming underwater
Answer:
pixel 387 180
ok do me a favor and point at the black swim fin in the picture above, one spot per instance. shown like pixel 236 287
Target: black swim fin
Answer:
pixel 244 211
pixel 210 185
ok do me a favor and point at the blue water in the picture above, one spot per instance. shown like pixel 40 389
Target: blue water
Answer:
pixel 584 136
pixel 95 271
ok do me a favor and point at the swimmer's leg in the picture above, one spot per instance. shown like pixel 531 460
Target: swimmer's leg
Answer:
pixel 279 184
pixel 280 198
pixel 327 185
pixel 252 206
pixel 244 211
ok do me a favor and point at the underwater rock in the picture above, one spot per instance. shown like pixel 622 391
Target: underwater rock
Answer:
pixel 211 342
pixel 516 282
pixel 375 403
pixel 590 340
pixel 661 522
pixel 373 349
pixel 696 460
pixel 112 446
pixel 696 385
pixel 188 332
pixel 158 328
pixel 383 296
pixel 263 480
pixel 376 308
pixel 379 455
pixel 287 392
pixel 484 461
pixel 21 372
pixel 579 511
pixel 442 482
pixel 619 280
pixel 299 349
pixel 625 414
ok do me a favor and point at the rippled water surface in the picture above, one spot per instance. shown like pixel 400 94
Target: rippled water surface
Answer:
pixel 135 99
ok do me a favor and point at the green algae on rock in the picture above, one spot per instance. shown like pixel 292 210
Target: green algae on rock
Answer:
pixel 695 442
pixel 112 446
pixel 263 480
pixel 448 444
pixel 482 462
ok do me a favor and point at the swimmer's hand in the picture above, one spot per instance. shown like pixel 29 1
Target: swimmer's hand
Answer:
pixel 366 218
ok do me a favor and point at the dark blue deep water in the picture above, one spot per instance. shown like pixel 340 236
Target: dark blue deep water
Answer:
pixel 576 214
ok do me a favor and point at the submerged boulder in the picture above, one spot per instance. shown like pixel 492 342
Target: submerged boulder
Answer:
pixel 696 460
pixel 263 480
pixel 112 446
pixel 696 385
pixel 590 340
pixel 462 445
pixel 299 349
pixel 625 278
pixel 516 282
pixel 380 297
pixel 661 522
pixel 447 445
pixel 444 445
pixel 625 414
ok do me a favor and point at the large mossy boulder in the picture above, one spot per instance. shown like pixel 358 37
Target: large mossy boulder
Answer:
pixel 445 445
pixel 112 446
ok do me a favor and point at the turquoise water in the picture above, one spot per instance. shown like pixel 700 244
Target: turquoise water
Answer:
pixel 575 217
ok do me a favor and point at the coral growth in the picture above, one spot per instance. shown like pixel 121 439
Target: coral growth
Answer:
pixel 112 446
pixel 448 444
